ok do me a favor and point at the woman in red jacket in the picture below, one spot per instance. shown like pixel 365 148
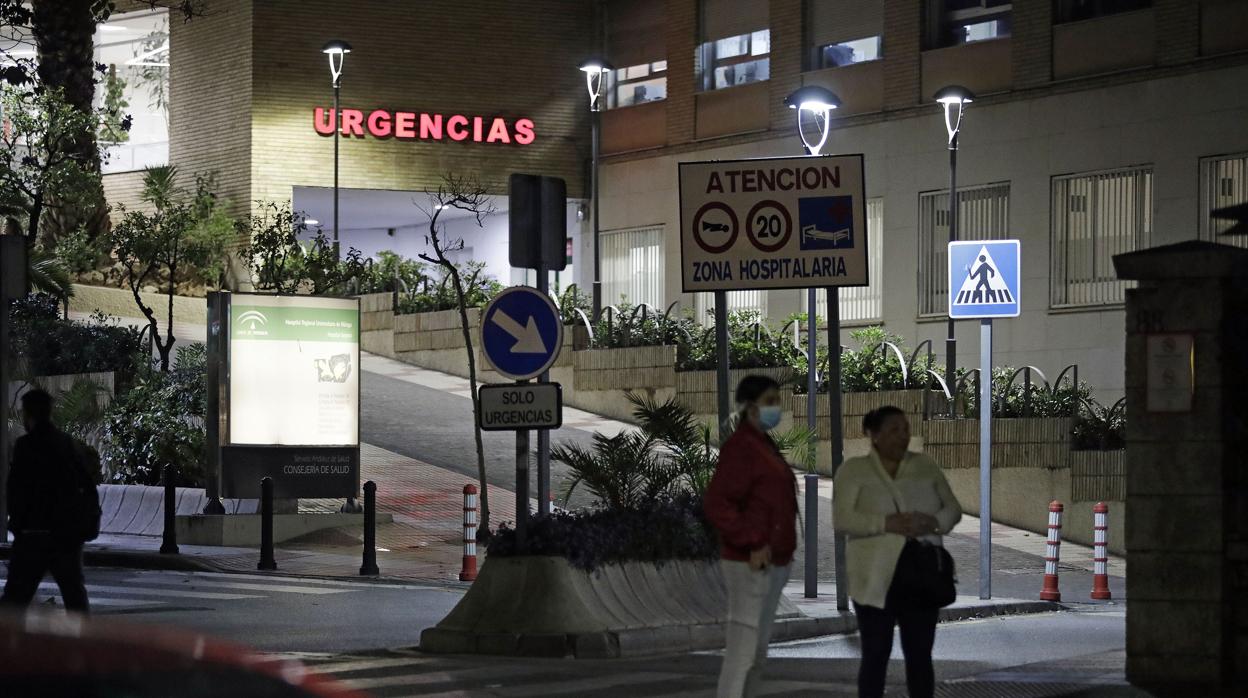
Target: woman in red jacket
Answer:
pixel 752 502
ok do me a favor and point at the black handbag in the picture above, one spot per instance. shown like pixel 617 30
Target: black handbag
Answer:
pixel 924 578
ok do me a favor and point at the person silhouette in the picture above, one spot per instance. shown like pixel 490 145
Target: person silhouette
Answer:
pixel 984 271
pixel 53 509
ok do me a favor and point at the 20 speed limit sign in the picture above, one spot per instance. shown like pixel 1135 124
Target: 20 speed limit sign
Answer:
pixel 773 223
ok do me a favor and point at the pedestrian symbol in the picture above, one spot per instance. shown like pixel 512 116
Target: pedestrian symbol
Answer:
pixel 984 279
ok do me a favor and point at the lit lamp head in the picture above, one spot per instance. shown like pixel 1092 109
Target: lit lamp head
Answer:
pixel 954 99
pixel 818 102
pixel 337 50
pixel 596 70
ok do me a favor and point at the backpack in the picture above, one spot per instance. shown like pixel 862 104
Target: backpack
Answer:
pixel 84 507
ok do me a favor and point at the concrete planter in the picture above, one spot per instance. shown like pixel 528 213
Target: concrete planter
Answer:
pixel 697 389
pixel 542 606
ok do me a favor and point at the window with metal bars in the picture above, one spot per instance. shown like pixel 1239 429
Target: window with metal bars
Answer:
pixel 983 214
pixel 632 266
pixel 1223 182
pixel 745 301
pixel 1094 217
pixel 862 304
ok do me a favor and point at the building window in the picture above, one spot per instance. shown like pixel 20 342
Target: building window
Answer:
pixel 632 266
pixel 848 52
pixel 1094 217
pixel 863 304
pixel 637 84
pixel 1076 10
pixel 134 47
pixel 1223 182
pixel 736 60
pixel 954 22
pixel 842 32
pixel 983 214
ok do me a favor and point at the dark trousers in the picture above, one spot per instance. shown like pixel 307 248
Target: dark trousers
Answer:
pixel 34 555
pixel 918 634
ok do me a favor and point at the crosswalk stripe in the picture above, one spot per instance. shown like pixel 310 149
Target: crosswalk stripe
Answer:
pixel 365 664
pixel 476 674
pixel 147 591
pixel 323 582
pixel 245 586
pixel 124 603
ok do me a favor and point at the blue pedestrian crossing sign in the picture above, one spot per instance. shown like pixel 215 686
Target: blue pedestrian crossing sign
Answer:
pixel 521 333
pixel 984 278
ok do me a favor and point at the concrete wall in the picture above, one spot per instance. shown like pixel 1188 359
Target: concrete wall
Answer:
pixel 120 303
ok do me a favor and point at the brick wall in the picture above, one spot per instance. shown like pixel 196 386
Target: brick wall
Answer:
pixel 682 31
pixel 902 44
pixel 125 188
pixel 786 59
pixel 1033 42
pixel 1178 30
pixel 210 68
pixel 488 58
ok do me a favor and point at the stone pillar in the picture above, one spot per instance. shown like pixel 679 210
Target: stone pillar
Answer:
pixel 1187 483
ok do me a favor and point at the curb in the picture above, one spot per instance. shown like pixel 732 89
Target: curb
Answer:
pixel 639 642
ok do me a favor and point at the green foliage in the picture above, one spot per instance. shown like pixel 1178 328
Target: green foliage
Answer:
pixel 684 440
pixel 1100 428
pixel 114 122
pixel 42 171
pixel 751 344
pixel 160 421
pixel 622 472
pixel 183 238
pixel 79 253
pixel 431 296
pixel 48 274
pixel 628 325
pixel 51 346
pixel 572 300
pixel 392 272
pixel 1014 400
pixel 285 257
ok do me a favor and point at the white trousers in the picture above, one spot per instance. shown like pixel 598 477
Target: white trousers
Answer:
pixel 752 600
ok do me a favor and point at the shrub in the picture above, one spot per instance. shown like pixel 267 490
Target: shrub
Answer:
pixel 666 529
pixel 751 344
pixel 1012 401
pixel 160 421
pixel 51 345
pixel 391 272
pixel 428 296
pixel 572 300
pixel 1099 428
pixel 628 325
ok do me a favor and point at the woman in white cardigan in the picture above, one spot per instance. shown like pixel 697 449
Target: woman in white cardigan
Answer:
pixel 880 500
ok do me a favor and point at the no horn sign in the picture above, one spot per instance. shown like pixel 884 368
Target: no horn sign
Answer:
pixel 773 223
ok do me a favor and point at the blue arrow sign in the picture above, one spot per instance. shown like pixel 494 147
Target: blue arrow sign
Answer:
pixel 521 333
pixel 984 278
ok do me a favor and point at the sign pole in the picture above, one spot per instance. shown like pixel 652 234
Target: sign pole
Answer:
pixel 217 326
pixel 522 485
pixel 812 479
pixel 837 436
pixel 543 435
pixel 721 362
pixel 985 458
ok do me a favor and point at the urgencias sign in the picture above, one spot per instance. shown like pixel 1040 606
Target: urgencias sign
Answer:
pixel 383 123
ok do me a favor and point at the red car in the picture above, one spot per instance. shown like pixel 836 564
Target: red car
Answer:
pixel 53 654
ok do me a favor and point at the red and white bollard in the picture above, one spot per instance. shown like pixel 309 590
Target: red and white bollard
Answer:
pixel 1052 554
pixel 1100 556
pixel 469 571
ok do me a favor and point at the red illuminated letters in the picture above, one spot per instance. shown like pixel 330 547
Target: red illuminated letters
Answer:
pixel 383 123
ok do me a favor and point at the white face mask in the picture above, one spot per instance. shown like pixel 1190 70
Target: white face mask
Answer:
pixel 769 416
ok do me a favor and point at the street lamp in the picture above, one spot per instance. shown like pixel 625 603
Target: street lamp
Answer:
pixel 337 50
pixel 953 99
pixel 596 70
pixel 819 102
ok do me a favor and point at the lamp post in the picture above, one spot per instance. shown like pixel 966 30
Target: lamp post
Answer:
pixel 953 99
pixel 819 103
pixel 596 70
pixel 337 50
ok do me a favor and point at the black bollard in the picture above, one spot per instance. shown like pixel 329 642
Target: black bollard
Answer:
pixel 169 543
pixel 370 530
pixel 266 525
